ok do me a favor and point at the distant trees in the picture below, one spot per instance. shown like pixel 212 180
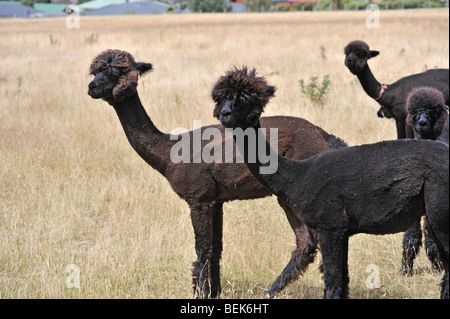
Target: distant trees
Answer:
pixel 258 5
pixel 31 2
pixel 208 5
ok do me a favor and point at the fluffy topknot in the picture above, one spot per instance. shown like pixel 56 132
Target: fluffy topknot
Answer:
pixel 425 97
pixel 430 103
pixel 250 93
pixel 115 58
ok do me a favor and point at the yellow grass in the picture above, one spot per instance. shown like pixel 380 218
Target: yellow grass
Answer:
pixel 72 190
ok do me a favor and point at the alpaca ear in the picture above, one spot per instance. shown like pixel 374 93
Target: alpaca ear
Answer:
pixel 143 67
pixel 270 91
pixel 373 53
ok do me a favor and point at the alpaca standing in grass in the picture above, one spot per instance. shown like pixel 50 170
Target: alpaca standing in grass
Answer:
pixel 346 191
pixel 204 186
pixel 428 117
pixel 392 98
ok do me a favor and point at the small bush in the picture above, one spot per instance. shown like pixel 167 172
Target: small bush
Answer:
pixel 304 6
pixel 312 89
pixel 53 40
pixel 323 5
pixel 91 39
pixel 411 4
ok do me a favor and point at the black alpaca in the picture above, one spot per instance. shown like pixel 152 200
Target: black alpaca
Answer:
pixel 427 114
pixel 347 191
pixel 392 98
pixel 428 117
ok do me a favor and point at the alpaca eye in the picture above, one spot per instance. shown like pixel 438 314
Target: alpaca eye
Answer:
pixel 361 55
pixel 243 99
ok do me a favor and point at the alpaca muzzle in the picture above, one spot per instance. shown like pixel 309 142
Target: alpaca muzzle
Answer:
pixel 94 90
pixel 226 114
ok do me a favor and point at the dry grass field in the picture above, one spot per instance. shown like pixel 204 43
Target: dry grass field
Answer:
pixel 73 191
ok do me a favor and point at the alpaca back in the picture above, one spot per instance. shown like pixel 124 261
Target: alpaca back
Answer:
pixel 377 185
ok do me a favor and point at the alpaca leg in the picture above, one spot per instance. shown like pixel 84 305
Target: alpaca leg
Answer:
pixel 438 220
pixel 444 284
pixel 403 129
pixel 345 277
pixel 301 257
pixel 409 132
pixel 441 239
pixel 431 248
pixel 201 218
pixel 400 125
pixel 332 246
pixel 412 240
pixel 217 249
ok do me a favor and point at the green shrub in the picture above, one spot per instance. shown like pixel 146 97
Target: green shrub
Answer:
pixel 411 4
pixel 356 5
pixel 323 4
pixel 305 6
pixel 312 89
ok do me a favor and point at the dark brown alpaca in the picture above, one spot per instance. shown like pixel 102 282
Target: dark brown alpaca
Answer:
pixel 392 99
pixel 346 191
pixel 205 187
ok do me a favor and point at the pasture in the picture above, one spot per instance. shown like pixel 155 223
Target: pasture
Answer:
pixel 74 192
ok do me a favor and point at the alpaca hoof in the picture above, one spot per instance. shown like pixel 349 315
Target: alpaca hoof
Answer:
pixel 268 296
pixel 405 272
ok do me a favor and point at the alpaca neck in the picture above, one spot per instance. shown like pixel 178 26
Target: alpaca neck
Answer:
pixel 370 85
pixel 152 145
pixel 274 171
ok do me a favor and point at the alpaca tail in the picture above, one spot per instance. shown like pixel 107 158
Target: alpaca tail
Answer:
pixel 335 142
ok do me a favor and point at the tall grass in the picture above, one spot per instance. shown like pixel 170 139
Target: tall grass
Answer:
pixel 72 190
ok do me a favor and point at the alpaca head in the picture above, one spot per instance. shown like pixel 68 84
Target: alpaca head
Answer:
pixel 116 75
pixel 240 96
pixel 427 112
pixel 356 55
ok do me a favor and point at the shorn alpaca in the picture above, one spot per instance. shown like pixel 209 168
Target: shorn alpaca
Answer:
pixel 205 187
pixel 392 98
pixel 347 191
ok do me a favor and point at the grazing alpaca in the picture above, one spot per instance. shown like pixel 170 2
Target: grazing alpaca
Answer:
pixel 392 97
pixel 205 187
pixel 346 191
